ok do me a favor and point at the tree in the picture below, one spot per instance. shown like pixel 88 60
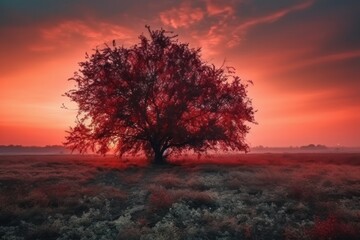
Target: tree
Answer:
pixel 159 97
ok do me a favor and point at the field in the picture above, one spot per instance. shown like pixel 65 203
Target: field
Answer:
pixel 254 196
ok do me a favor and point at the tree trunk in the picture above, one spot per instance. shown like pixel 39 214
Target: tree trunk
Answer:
pixel 159 157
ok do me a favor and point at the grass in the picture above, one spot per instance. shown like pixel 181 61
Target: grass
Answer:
pixel 254 196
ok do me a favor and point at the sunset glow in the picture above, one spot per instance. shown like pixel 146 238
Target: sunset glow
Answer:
pixel 303 57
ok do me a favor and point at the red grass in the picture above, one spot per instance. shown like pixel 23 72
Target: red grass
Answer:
pixel 247 231
pixel 332 228
pixel 112 193
pixel 302 192
pixel 160 198
pixel 168 180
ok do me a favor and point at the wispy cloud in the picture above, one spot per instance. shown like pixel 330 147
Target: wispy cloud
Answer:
pixel 216 25
pixel 335 57
pixel 240 31
pixel 274 16
pixel 91 34
pixel 310 60
pixel 219 7
pixel 208 22
pixel 182 16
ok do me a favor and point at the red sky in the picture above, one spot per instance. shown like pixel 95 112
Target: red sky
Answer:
pixel 302 55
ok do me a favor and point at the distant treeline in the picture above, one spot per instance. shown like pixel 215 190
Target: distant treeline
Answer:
pixel 19 149
pixel 314 147
pixel 306 148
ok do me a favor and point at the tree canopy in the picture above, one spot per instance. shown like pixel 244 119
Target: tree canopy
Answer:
pixel 159 97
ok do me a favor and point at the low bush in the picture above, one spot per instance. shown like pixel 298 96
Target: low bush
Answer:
pixel 332 228
pixel 43 232
pixel 161 199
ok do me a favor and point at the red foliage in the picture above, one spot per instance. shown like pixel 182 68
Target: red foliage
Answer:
pixel 159 97
pixel 113 193
pixel 53 195
pixel 248 231
pixel 332 228
pixel 301 192
pixel 161 199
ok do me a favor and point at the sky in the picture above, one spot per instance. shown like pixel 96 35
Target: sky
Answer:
pixel 302 55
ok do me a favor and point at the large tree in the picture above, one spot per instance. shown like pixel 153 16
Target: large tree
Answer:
pixel 159 97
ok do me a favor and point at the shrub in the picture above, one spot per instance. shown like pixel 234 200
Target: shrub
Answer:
pixel 161 199
pixel 43 232
pixel 112 193
pixel 248 231
pixel 332 228
pixel 9 217
pixel 168 180
pixel 198 199
pixel 291 233
pixel 50 195
pixel 301 192
pixel 194 182
pixel 129 234
pixel 234 183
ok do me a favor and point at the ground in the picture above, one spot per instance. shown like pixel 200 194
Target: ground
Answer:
pixel 253 196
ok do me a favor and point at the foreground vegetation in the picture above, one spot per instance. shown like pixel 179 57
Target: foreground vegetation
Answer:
pixel 254 196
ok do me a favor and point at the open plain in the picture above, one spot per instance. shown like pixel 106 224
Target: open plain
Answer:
pixel 253 196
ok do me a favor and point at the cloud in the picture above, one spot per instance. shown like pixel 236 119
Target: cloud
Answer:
pixel 214 39
pixel 208 22
pixel 335 57
pixel 217 25
pixel 239 32
pixel 183 16
pixel 274 16
pixel 219 7
pixel 68 33
pixel 282 64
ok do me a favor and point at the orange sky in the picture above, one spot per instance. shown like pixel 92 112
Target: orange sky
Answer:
pixel 302 55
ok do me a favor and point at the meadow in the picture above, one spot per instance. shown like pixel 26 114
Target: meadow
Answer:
pixel 289 196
